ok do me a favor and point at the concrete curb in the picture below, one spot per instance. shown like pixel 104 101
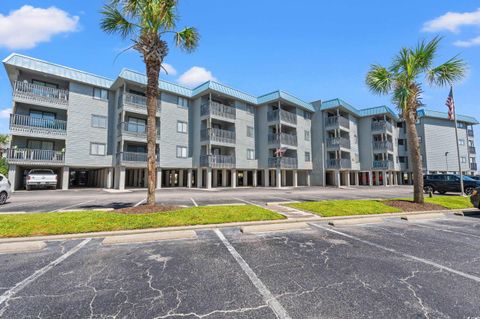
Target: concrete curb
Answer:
pixel 22 247
pixel 149 237
pixel 423 216
pixel 210 226
pixel 356 221
pixel 272 228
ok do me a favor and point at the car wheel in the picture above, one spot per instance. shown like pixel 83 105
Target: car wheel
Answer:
pixel 469 191
pixel 3 198
pixel 428 189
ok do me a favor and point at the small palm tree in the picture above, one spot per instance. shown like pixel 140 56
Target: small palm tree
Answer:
pixel 147 23
pixel 402 79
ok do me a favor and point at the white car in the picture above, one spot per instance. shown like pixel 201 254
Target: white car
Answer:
pixel 5 189
pixel 41 178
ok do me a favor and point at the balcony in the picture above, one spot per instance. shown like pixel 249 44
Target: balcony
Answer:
pixel 470 133
pixel 136 103
pixel 383 165
pixel 342 163
pixel 37 94
pixel 472 150
pixel 283 138
pixel 217 161
pixel 135 131
pixel 282 162
pixel 337 122
pixel 473 166
pixel 218 110
pixel 218 135
pixel 32 126
pixel 381 126
pixel 134 158
pixel 338 142
pixel 382 146
pixel 284 116
pixel 32 156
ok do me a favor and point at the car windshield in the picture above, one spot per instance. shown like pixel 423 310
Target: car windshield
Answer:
pixel 41 172
pixel 468 179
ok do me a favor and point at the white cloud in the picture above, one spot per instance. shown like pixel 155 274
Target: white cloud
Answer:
pixel 28 26
pixel 169 68
pixel 452 21
pixel 5 113
pixel 468 43
pixel 196 76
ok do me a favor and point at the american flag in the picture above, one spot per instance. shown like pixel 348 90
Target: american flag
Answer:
pixel 451 106
pixel 280 151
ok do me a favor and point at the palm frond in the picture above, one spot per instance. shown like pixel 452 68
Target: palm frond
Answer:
pixel 445 74
pixel 425 53
pixel 187 39
pixel 379 79
pixel 114 21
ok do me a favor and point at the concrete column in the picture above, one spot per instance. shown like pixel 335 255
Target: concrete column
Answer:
pixel 172 178
pixel 347 175
pixel 65 177
pixel 215 177
pixel 234 178
pixel 145 178
pixel 209 178
pixel 370 178
pixel 278 177
pixel 266 177
pixel 284 178
pixel 12 169
pixel 199 177
pixel 109 183
pixel 385 178
pixel 135 177
pixel 295 178
pixel 121 177
pixel 189 178
pixel 377 178
pixel 180 178
pixel 337 179
pixel 245 178
pixel 159 178
pixel 273 177
pixel 224 178
pixel 308 179
pixel 254 175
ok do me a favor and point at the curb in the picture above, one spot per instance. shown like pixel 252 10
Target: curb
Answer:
pixel 22 247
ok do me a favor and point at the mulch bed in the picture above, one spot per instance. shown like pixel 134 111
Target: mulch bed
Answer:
pixel 147 209
pixel 408 206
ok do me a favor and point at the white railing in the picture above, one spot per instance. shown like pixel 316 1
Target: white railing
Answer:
pixel 33 155
pixel 136 100
pixel 283 138
pixel 135 129
pixel 284 116
pixel 23 122
pixel 336 121
pixel 335 142
pixel 218 109
pixel 217 161
pixel 282 162
pixel 34 92
pixel 381 126
pixel 135 157
pixel 218 135
pixel 342 163
pixel 383 165
pixel 382 145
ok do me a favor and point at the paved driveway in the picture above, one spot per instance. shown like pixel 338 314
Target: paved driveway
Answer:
pixel 46 201
pixel 395 269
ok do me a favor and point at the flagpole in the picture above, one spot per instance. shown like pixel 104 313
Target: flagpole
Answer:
pixel 458 145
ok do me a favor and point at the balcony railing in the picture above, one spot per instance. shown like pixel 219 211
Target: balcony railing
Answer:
pixel 218 135
pixel 33 155
pixel 284 116
pixel 382 146
pixel 383 165
pixel 342 163
pixel 217 161
pixel 381 126
pixel 473 166
pixel 24 123
pixel 336 142
pixel 282 162
pixel 137 101
pixel 135 130
pixel 470 133
pixel 135 157
pixel 218 109
pixel 283 138
pixel 472 150
pixel 38 93
pixel 337 121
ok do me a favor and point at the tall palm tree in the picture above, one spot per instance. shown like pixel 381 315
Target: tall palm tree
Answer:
pixel 402 79
pixel 147 23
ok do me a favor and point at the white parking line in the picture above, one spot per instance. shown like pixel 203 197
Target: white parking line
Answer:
pixel 269 299
pixel 391 250
pixel 7 295
pixel 247 202
pixel 194 202
pixel 445 230
pixel 140 202
pixel 71 206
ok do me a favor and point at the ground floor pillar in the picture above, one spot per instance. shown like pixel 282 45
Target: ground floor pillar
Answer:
pixel 255 176
pixel 266 177
pixel 308 179
pixel 109 178
pixel 215 177
pixel 234 178
pixel 180 178
pixel 189 178
pixel 208 181
pixel 120 177
pixel 200 178
pixel 347 180
pixel 224 178
pixel 295 178
pixel 159 178
pixel 337 178
pixel 284 178
pixel 278 177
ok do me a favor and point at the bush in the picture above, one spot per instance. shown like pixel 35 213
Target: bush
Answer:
pixel 3 166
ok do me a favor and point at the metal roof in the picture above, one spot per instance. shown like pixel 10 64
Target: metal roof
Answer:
pixel 25 62
pixel 378 110
pixel 141 78
pixel 276 95
pixel 423 112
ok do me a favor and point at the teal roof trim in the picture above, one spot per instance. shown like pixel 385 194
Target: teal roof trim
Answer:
pixel 277 95
pixel 444 116
pixel 223 89
pixel 25 62
pixel 378 110
pixel 141 78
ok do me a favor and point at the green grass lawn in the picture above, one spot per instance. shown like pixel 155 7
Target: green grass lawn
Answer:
pixel 450 202
pixel 330 208
pixel 95 221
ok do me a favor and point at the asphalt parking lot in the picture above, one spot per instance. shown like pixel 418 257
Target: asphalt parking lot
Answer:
pixel 48 201
pixel 393 269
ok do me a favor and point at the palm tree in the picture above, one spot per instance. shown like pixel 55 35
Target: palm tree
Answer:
pixel 402 79
pixel 147 23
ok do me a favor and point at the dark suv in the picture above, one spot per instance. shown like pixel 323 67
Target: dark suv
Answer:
pixel 444 183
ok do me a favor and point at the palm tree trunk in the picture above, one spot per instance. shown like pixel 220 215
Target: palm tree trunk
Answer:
pixel 153 74
pixel 414 150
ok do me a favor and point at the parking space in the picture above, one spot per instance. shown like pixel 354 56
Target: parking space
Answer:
pixel 393 269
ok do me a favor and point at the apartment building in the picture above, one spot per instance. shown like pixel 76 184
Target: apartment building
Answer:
pixel 92 132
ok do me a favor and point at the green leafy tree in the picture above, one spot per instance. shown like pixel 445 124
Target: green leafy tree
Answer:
pixel 402 80
pixel 149 23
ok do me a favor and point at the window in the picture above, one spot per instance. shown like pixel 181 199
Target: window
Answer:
pixel 100 94
pixel 99 121
pixel 461 142
pixel 250 109
pixel 400 142
pixel 183 102
pixel 97 149
pixel 181 152
pixel 136 125
pixel 42 115
pixel 40 145
pixel 182 127
pixel 463 159
pixel 46 84
pixel 250 131
pixel 399 124
pixel 307 135
pixel 250 154
pixel 307 157
pixel 307 115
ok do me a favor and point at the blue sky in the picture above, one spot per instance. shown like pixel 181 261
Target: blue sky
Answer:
pixel 309 48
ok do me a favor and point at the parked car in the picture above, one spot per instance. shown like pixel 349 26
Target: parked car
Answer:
pixel 5 189
pixel 41 178
pixel 444 183
pixel 477 178
pixel 475 198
